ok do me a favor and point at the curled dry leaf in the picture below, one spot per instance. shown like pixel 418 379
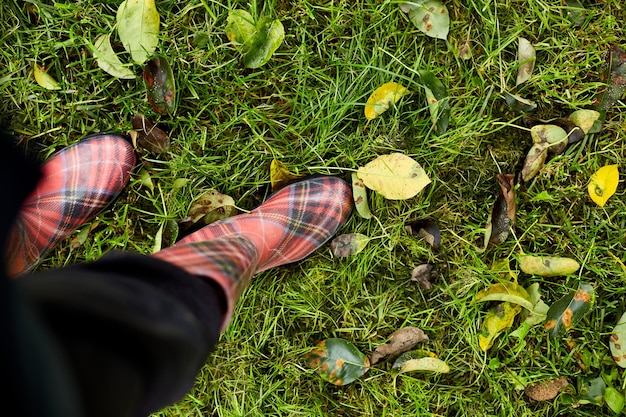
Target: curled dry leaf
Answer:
pixel 545 390
pixel 395 176
pixel 603 184
pixel 382 98
pixel 148 136
pixel 400 341
pixel 348 244
pixel 526 56
pixel 425 229
pixel 502 217
pixel 424 275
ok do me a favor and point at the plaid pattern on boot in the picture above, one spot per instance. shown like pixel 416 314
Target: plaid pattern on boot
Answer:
pixel 76 184
pixel 289 226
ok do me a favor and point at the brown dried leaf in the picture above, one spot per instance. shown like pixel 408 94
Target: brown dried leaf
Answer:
pixel 400 341
pixel 547 389
pixel 502 212
pixel 424 275
pixel 425 229
pixel 148 136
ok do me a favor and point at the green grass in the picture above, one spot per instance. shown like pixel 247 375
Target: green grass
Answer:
pixel 305 108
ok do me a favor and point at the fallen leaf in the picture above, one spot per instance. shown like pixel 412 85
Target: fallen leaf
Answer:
pixel 518 103
pixel 497 320
pixel 148 136
pixel 546 390
pixel 603 184
pixel 429 16
pixel 616 80
pixel 617 342
pixel 161 85
pixel 569 309
pixel 425 229
pixel 592 392
pixel 400 341
pixel 382 98
pixel 210 207
pixel 506 291
pixel 268 37
pixel 465 50
pixel 575 12
pixel 337 361
pixel 44 79
pixel 526 57
pixel 359 193
pixel 534 161
pixel 547 266
pixel 503 212
pixel 424 275
pixel 585 119
pixel 395 176
pixel 240 27
pixel 138 28
pixel 348 244
pixel 418 361
pixel 534 317
pixel 614 400
pixel 437 101
pixel 108 60
pixel 281 176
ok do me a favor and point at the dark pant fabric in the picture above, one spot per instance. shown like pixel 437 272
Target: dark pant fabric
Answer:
pixel 122 336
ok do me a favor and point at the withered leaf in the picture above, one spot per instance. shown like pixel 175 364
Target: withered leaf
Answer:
pixel 348 244
pixel 400 341
pixel 616 80
pixel 534 161
pixel 210 207
pixel 148 136
pixel 502 212
pixel 424 275
pixel 425 229
pixel 546 390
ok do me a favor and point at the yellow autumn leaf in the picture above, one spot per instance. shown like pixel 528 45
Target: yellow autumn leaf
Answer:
pixel 280 175
pixel 603 184
pixel 395 176
pixel 498 319
pixel 384 97
pixel 45 80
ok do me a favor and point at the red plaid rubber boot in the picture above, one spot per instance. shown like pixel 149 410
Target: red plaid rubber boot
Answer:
pixel 286 228
pixel 77 183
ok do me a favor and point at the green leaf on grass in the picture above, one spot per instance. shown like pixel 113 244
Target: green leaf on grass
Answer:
pixel 240 27
pixel 161 85
pixel 359 194
pixel 429 16
pixel 437 101
pixel 569 309
pixel 498 319
pixel 592 392
pixel 138 28
pixel 506 291
pixel 547 266
pixel 614 399
pixel 108 60
pixel 418 360
pixel 337 361
pixel 45 80
pixel 348 244
pixel 536 315
pixel 395 176
pixel 617 342
pixel 268 37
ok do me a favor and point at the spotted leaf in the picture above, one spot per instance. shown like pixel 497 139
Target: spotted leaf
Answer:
pixel 498 319
pixel 547 266
pixel 568 310
pixel 161 85
pixel 617 342
pixel 337 361
pixel 603 184
pixel 430 16
pixel 359 193
pixel 382 98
